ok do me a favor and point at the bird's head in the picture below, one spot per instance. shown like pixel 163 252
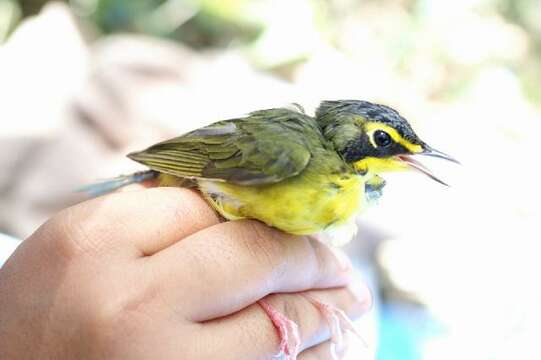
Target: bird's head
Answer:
pixel 373 138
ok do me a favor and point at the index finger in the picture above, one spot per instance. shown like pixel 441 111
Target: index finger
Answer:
pixel 148 220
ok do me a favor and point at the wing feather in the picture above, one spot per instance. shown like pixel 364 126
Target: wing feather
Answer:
pixel 265 147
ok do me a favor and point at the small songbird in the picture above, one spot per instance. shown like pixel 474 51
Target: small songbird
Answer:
pixel 301 174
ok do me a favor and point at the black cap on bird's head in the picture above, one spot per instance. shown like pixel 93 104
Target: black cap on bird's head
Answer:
pixel 373 137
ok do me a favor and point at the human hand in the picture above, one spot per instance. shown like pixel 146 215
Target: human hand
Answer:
pixel 153 274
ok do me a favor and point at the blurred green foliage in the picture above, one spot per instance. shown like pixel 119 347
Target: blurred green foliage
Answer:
pixel 10 14
pixel 226 17
pixel 527 15
pixel 281 34
pixel 199 23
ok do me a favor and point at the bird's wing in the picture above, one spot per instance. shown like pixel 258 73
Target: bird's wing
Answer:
pixel 265 147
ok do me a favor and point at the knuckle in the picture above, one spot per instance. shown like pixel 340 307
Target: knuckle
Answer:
pixel 192 206
pixel 64 235
pixel 77 235
pixel 263 243
pixel 186 205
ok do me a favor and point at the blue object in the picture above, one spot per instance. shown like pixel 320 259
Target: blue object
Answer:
pixel 404 328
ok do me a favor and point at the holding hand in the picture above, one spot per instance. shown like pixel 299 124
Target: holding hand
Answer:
pixel 153 274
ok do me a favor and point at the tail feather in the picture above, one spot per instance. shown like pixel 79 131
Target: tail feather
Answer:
pixel 109 185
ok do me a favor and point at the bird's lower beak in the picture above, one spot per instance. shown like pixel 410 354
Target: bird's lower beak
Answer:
pixel 428 151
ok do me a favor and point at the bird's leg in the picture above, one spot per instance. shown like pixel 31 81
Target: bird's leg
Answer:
pixel 289 348
pixel 339 324
pixel 373 189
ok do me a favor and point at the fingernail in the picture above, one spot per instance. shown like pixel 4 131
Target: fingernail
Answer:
pixel 343 259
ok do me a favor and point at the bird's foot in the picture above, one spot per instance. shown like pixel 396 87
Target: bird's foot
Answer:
pixel 339 324
pixel 288 332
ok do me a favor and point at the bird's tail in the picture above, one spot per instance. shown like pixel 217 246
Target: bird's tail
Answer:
pixel 109 185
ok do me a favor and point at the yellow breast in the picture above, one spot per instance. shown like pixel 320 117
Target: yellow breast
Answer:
pixel 300 205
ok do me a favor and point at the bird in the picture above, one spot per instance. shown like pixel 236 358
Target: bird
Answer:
pixel 304 175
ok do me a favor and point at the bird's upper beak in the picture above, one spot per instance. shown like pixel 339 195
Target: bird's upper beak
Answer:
pixel 427 151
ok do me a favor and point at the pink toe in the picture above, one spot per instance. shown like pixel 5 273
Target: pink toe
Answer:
pixel 339 323
pixel 285 328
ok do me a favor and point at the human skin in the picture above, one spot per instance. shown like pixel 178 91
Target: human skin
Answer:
pixel 154 274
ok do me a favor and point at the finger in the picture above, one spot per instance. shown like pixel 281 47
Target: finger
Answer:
pixel 319 352
pixel 252 330
pixel 240 262
pixel 353 349
pixel 147 221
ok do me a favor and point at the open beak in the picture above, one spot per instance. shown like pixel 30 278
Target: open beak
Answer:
pixel 428 151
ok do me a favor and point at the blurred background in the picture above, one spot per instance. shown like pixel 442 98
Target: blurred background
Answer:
pixel 455 270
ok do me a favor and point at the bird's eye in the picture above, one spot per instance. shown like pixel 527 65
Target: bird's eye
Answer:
pixel 381 138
